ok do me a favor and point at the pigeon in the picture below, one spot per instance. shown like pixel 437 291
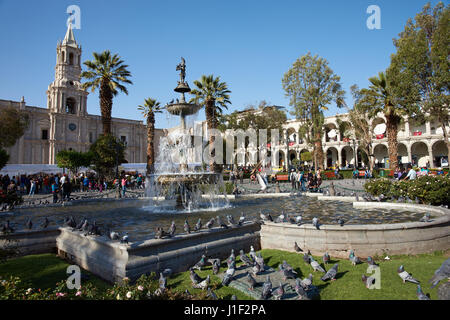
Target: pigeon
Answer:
pixel 80 225
pixel 316 266
pixel 425 218
pixel 262 216
pixel 195 278
pixel 251 281
pixel 220 223
pixel 124 238
pixel 162 282
pixel 113 235
pixel 171 101
pixel 315 222
pixel 279 292
pixel 307 257
pixel 405 275
pixel 167 272
pixel 341 222
pixel 267 289
pixel 371 263
pixel 420 294
pixel 297 248
pixel 368 281
pixel 354 259
pixel 227 279
pixel 298 220
pixel 331 274
pixel 326 258
pixel 269 217
pixel 256 269
pixel 216 267
pixel 85 226
pixel 252 253
pixel 187 228
pixel 70 222
pixel 280 218
pixel 200 264
pixel 231 220
pixel 210 223
pixel 241 219
pixel 245 259
pixel 307 282
pixel 260 261
pixel 29 224
pixel 287 273
pixel 198 225
pixel 231 258
pixel 45 224
pixel 286 266
pixel 211 294
pixel 213 261
pixel 172 229
pixel 204 284
pixel 300 290
pixel 441 273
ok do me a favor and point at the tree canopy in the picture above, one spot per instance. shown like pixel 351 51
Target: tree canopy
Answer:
pixel 107 152
pixel 13 124
pixel 73 160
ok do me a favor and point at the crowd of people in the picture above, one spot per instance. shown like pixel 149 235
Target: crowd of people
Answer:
pixel 62 185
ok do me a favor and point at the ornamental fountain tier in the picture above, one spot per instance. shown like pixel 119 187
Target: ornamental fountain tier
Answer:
pixel 173 179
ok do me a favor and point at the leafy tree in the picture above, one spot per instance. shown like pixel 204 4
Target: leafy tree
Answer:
pixel 306 156
pixel 420 68
pixel 4 158
pixel 358 127
pixel 148 109
pixel 73 160
pixel 213 95
pixel 13 124
pixel 106 73
pixel 311 85
pixel 107 153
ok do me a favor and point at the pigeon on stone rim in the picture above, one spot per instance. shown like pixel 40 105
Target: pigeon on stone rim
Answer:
pixel 187 227
pixel 331 273
pixel 45 224
pixel 267 289
pixel 220 223
pixel 405 276
pixel 315 222
pixel 172 229
pixel 441 273
pixel 297 248
pixel 250 280
pixel 198 225
pixel 210 223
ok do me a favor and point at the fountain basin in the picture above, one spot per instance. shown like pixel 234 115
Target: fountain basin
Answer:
pixel 182 108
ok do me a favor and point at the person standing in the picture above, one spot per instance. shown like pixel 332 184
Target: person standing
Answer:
pixel 124 186
pixel 55 192
pixel 33 187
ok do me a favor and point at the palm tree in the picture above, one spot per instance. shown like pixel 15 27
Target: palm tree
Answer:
pixel 149 109
pixel 213 95
pixel 378 98
pixel 106 73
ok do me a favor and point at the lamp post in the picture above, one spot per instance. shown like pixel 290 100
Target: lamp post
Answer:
pixel 287 150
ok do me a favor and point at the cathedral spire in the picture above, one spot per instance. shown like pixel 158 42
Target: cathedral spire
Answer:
pixel 69 39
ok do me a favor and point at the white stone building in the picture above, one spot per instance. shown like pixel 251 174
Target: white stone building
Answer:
pixel 65 124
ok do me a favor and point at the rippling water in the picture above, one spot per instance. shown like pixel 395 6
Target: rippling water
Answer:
pixel 141 221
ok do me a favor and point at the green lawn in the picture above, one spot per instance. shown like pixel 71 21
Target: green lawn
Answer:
pixel 45 270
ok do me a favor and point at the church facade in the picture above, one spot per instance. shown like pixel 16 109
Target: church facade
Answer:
pixel 65 124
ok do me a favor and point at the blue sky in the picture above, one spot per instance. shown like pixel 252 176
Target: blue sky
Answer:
pixel 250 44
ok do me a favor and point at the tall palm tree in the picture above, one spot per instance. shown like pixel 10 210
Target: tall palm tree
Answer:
pixel 378 98
pixel 148 109
pixel 213 95
pixel 106 73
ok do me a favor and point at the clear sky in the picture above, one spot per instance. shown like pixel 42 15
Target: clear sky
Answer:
pixel 250 44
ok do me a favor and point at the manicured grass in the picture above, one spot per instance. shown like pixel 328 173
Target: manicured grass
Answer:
pixel 43 271
pixel 348 284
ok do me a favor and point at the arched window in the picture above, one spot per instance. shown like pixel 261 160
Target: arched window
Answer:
pixel 71 58
pixel 71 105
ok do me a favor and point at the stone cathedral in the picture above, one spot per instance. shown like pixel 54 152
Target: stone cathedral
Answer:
pixel 65 123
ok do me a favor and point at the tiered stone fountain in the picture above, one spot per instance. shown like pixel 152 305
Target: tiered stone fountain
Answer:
pixel 171 179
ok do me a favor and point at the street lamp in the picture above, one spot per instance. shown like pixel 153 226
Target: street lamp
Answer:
pixel 287 150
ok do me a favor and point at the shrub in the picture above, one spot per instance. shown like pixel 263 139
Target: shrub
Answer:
pixel 433 190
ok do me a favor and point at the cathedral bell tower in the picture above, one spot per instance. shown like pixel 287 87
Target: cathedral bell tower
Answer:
pixel 65 94
pixel 66 98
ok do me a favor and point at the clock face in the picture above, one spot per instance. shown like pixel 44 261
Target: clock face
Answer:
pixel 72 126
